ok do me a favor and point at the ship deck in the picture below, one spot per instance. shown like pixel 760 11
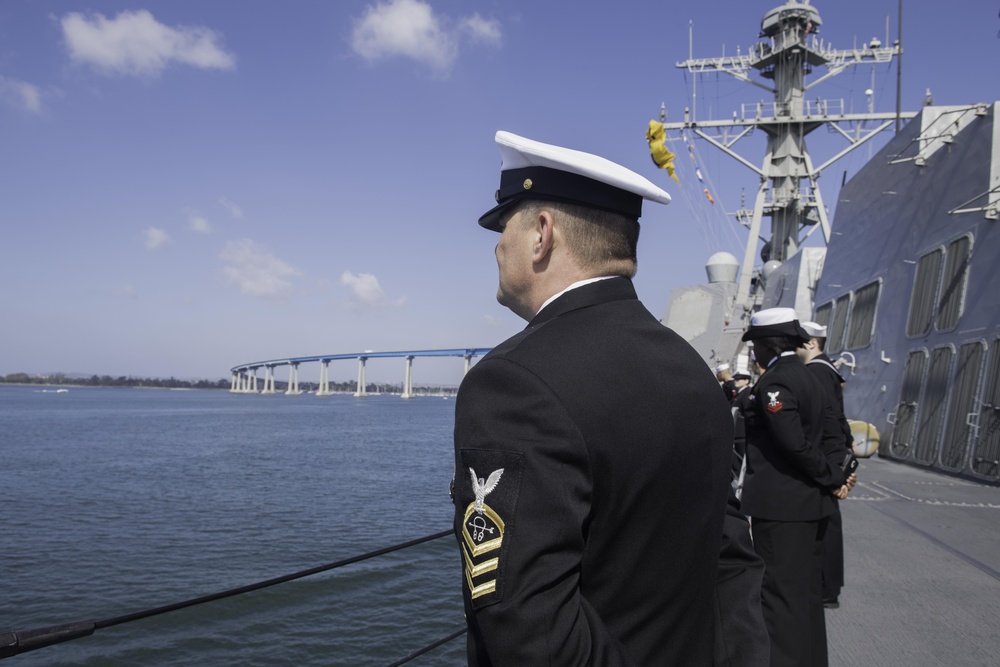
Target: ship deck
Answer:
pixel 922 571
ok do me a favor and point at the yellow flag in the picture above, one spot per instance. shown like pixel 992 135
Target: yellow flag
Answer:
pixel 656 135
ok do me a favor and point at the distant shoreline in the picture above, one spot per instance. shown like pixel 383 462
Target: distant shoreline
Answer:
pixel 123 382
pixel 68 385
pixel 60 380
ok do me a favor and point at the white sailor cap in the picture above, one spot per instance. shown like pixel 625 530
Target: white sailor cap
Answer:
pixel 721 367
pixel 814 330
pixel 533 170
pixel 775 322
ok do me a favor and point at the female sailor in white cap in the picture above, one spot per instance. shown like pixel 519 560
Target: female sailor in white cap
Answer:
pixel 788 487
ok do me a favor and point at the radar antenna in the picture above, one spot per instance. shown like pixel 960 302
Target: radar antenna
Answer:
pixel 789 191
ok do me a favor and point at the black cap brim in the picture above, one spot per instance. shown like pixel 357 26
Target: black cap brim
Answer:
pixel 544 183
pixel 491 219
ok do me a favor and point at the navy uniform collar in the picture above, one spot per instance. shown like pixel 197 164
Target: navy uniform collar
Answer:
pixel 825 360
pixel 788 357
pixel 782 355
pixel 614 289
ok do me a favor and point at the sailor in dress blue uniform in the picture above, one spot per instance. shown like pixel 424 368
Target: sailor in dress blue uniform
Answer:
pixel 592 449
pixel 788 487
pixel 833 383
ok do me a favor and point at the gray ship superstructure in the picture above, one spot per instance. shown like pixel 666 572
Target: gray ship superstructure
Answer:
pixel 788 193
pixel 909 292
pixel 905 283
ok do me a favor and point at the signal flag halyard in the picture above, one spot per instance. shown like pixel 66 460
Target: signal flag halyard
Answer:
pixel 656 135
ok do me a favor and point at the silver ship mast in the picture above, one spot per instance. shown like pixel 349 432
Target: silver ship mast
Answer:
pixel 789 192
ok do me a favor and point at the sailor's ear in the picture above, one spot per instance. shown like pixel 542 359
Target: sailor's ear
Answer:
pixel 545 235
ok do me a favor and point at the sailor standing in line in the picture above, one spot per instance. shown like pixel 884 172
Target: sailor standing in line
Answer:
pixel 788 488
pixel 741 638
pixel 724 375
pixel 592 449
pixel 741 381
pixel 739 405
pixel 833 382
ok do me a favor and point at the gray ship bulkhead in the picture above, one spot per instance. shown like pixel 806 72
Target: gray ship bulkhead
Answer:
pixel 909 292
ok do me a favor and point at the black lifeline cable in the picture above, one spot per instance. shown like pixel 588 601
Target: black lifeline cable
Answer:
pixel 430 647
pixel 15 643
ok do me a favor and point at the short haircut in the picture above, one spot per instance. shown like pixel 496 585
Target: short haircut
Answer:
pixel 777 344
pixel 603 241
pixel 820 343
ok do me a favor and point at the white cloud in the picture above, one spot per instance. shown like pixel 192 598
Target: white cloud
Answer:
pixel 256 271
pixel 404 28
pixel 482 30
pixel 230 206
pixel 126 292
pixel 199 224
pixel 409 28
pixel 155 238
pixel 21 94
pixel 135 43
pixel 364 288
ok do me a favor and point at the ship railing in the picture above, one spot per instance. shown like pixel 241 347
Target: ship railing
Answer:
pixel 810 108
pixel 18 642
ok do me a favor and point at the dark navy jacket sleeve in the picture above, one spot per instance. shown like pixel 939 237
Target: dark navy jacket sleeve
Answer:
pixel 542 500
pixel 781 415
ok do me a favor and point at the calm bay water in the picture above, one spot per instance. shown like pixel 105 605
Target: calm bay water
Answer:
pixel 117 500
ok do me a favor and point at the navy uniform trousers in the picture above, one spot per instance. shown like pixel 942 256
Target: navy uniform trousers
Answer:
pixel 592 457
pixel 786 494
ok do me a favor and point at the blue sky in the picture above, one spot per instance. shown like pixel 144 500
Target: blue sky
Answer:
pixel 186 186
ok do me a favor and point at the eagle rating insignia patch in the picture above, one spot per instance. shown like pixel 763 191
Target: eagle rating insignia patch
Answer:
pixel 489 496
pixel 482 530
pixel 773 404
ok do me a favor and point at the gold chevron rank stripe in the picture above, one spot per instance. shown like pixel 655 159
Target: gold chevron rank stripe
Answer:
pixel 482 523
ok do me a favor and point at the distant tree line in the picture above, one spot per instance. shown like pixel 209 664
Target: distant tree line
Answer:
pixel 174 383
pixel 108 381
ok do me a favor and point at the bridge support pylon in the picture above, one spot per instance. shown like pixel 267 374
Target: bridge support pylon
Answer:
pixel 408 380
pixel 293 380
pixel 324 378
pixel 362 388
pixel 268 380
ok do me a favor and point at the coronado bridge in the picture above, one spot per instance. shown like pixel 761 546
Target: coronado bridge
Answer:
pixel 245 376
